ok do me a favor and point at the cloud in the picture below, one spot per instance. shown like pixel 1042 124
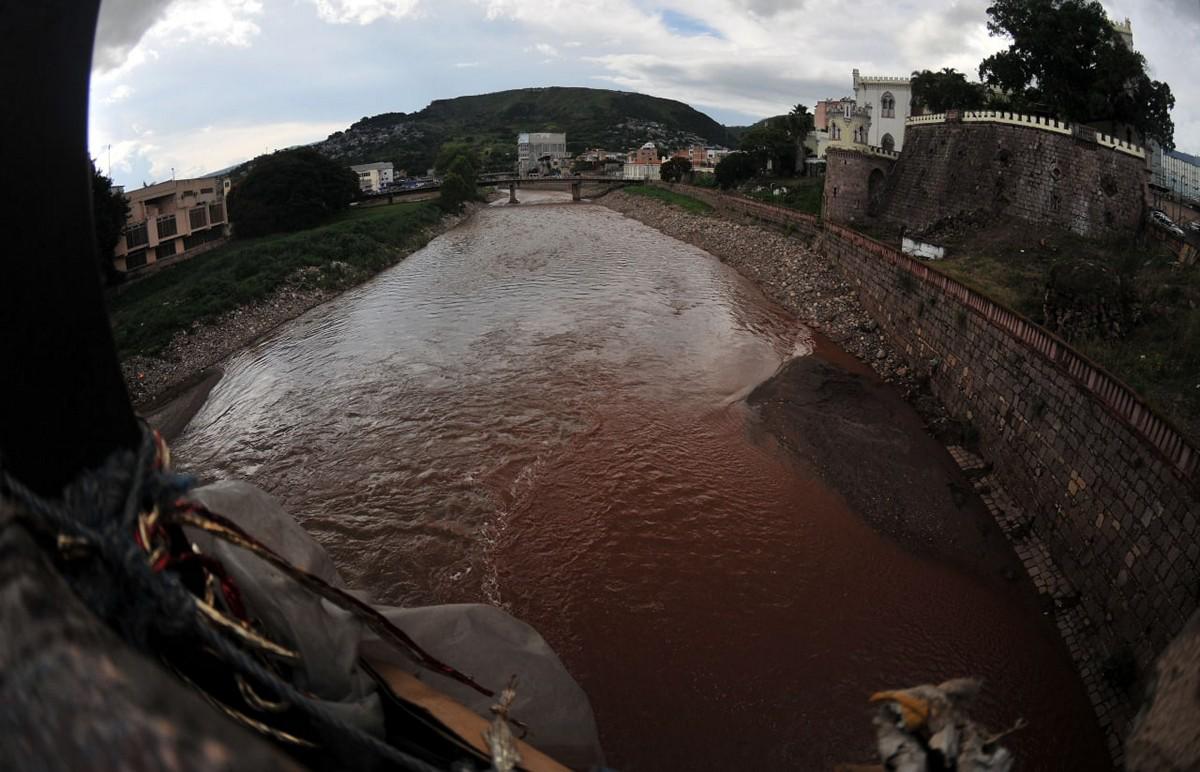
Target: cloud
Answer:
pixel 210 148
pixel 364 11
pixel 121 25
pixel 128 30
pixel 118 94
pixel 313 61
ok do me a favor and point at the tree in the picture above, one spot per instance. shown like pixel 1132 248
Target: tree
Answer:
pixel 459 171
pixel 452 151
pixel 770 141
pixel 800 123
pixel 674 169
pixel 290 190
pixel 735 168
pixel 1066 60
pixel 110 210
pixel 937 92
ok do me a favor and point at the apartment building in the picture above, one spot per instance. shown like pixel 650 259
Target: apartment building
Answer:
pixel 172 218
pixel 539 151
pixel 374 177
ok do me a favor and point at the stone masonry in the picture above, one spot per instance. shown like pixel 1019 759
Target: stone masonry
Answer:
pixel 1098 495
pixel 1107 522
pixel 855 184
pixel 1019 171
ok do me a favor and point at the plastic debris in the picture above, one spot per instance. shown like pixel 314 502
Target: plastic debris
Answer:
pixel 927 728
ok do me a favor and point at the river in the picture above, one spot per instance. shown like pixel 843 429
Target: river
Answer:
pixel 545 409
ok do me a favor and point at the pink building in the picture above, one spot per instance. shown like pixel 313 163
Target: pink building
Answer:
pixel 172 218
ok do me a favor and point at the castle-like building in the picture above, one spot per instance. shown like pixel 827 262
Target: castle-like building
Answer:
pixel 889 100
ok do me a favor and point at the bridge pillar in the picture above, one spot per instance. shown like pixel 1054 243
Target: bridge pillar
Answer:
pixel 512 193
pixel 575 191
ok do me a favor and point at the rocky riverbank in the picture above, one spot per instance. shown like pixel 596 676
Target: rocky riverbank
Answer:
pixel 192 358
pixel 794 275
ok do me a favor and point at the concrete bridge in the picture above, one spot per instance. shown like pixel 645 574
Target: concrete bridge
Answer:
pixel 576 183
pixel 513 182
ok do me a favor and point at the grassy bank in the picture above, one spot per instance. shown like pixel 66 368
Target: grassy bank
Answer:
pixel 1137 287
pixel 687 203
pixel 803 193
pixel 146 315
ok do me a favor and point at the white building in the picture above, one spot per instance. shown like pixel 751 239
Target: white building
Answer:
pixel 546 147
pixel 890 101
pixel 1176 172
pixel 642 171
pixel 374 177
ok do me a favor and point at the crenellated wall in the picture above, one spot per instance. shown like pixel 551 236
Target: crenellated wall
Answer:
pixel 1007 165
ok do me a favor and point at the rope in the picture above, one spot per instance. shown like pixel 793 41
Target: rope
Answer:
pixel 106 511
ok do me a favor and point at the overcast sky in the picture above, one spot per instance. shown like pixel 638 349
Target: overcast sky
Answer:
pixel 197 85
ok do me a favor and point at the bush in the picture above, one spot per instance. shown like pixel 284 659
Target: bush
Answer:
pixel 735 168
pixel 289 191
pixel 675 169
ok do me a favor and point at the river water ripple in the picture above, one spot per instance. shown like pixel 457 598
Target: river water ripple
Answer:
pixel 544 409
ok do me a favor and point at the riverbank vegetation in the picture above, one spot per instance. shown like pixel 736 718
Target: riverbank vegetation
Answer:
pixel 1128 305
pixel 800 193
pixel 290 190
pixel 356 244
pixel 685 202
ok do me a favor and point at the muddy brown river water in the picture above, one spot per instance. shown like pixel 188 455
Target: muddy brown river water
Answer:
pixel 546 409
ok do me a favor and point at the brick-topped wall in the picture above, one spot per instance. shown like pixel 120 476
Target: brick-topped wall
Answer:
pixel 1013 169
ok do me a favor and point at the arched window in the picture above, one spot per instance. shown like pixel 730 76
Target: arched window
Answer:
pixel 887 105
pixel 834 131
pixel 887 143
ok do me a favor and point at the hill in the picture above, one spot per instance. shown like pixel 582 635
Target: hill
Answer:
pixel 614 120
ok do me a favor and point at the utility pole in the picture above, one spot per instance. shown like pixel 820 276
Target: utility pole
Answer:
pixel 110 160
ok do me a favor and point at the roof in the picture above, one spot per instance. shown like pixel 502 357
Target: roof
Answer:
pixel 1185 157
pixel 167 188
pixel 376 165
pixel 649 146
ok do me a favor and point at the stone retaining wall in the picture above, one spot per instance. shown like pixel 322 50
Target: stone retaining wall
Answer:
pixel 1097 491
pixel 1066 177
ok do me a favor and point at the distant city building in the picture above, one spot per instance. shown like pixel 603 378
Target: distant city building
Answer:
pixel 1124 30
pixel 539 149
pixel 851 127
pixel 1177 173
pixel 827 107
pixel 374 177
pixel 634 170
pixel 646 154
pixel 890 102
pixel 171 218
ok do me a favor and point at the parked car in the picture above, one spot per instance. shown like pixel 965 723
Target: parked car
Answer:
pixel 1160 217
pixel 1194 225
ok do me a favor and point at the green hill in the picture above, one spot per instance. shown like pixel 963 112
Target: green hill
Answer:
pixel 613 120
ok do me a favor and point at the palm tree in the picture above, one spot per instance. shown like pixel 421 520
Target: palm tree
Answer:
pixel 800 123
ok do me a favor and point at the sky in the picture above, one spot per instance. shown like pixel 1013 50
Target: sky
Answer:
pixel 187 87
